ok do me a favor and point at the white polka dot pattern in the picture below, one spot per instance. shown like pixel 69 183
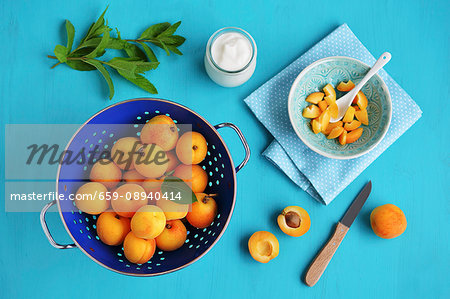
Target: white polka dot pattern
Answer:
pixel 323 178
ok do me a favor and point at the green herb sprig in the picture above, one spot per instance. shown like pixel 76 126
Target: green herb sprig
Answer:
pixel 138 61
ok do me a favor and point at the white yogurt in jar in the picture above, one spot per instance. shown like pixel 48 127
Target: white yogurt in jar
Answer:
pixel 230 57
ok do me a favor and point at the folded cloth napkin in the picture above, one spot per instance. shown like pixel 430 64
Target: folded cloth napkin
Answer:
pixel 323 178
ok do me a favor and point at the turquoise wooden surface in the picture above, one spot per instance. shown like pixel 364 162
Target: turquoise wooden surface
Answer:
pixel 412 174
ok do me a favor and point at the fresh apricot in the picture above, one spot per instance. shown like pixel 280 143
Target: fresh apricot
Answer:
pixel 148 222
pixel 346 86
pixel 191 148
pixel 160 130
pixel 343 138
pixel 151 161
pixel 138 250
pixel 152 185
pixel 172 210
pixel 362 116
pixel 316 126
pixel 360 100
pixel 352 125
pixel 388 221
pixel 324 120
pixel 91 198
pixel 349 115
pixel 330 93
pixel 106 172
pixel 334 109
pixel 194 175
pixel 312 111
pixel 173 236
pixel 124 151
pixel 294 221
pixel 134 177
pixel 173 161
pixel 127 199
pixel 315 97
pixel 112 228
pixel 322 105
pixel 263 246
pixel 336 132
pixel 203 211
pixel 354 135
pixel 331 126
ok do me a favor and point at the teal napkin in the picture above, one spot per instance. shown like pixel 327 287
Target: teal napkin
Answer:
pixel 323 178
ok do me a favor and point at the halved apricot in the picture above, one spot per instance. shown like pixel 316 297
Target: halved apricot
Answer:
pixel 362 116
pixel 263 246
pixel 360 100
pixel 315 97
pixel 315 124
pixel 336 132
pixel 349 115
pixel 334 110
pixel 329 91
pixel 324 119
pixel 323 105
pixel 294 221
pixel 331 126
pixel 354 135
pixel 343 138
pixel 346 86
pixel 312 111
pixel 352 126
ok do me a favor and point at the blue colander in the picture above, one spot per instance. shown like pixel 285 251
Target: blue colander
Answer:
pixel 81 226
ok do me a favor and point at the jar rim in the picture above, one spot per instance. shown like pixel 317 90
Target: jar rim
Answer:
pixel 221 31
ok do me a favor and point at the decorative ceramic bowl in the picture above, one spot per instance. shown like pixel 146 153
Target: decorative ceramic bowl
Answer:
pixel 335 70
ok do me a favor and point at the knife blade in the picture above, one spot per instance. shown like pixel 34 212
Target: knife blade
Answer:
pixel 320 262
pixel 356 206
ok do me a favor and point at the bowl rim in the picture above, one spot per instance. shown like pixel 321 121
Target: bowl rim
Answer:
pixel 177 268
pixel 305 141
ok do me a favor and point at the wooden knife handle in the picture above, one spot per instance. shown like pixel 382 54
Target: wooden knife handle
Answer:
pixel 322 259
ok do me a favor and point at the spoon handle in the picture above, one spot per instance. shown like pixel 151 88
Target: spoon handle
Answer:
pixel 384 58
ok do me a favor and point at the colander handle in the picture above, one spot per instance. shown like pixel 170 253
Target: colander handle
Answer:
pixel 243 140
pixel 47 232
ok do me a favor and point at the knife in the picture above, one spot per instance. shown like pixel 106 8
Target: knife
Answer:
pixel 322 259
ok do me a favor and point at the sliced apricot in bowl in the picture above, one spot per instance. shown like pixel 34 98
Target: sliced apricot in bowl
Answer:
pixel 346 86
pixel 263 246
pixel 294 221
pixel 315 97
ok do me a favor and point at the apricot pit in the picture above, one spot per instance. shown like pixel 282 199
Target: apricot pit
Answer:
pixel 294 221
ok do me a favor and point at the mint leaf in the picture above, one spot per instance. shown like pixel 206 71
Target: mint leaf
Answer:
pixel 150 54
pixel 154 30
pixel 61 53
pixel 70 35
pixel 178 186
pixel 175 40
pixel 174 49
pixel 124 66
pixel 100 47
pixel 140 81
pixel 134 51
pixel 171 30
pixel 79 65
pixel 105 74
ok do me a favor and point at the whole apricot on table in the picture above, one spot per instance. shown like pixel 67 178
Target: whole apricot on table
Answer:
pixel 194 175
pixel 172 210
pixel 151 161
pixel 152 185
pixel 112 228
pixel 138 250
pixel 173 161
pixel 148 222
pixel 294 221
pixel 91 198
pixel 124 151
pixel 173 236
pixel 160 130
pixel 388 221
pixel 127 199
pixel 191 148
pixel 263 246
pixel 203 211
pixel 132 176
pixel 106 172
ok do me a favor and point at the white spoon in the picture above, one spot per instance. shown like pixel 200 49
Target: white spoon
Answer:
pixel 344 102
